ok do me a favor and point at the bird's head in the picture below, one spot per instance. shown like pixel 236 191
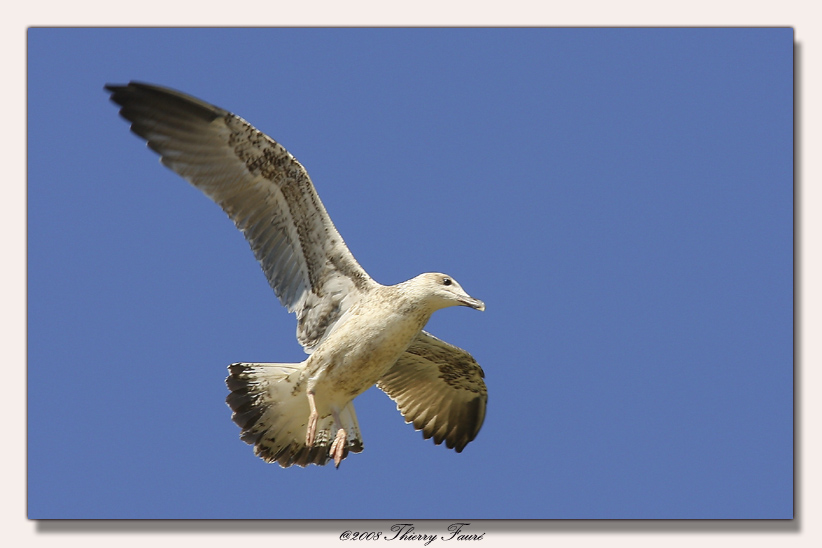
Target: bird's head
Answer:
pixel 441 291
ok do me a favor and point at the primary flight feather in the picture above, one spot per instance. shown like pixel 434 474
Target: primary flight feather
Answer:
pixel 356 332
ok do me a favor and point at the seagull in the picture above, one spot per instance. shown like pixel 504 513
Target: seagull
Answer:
pixel 355 331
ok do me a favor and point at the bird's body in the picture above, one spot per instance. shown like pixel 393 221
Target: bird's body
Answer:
pixel 366 342
pixel 357 332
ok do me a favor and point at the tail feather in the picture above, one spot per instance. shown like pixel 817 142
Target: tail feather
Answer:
pixel 271 407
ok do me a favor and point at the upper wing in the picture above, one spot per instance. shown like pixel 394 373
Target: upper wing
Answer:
pixel 439 388
pixel 264 190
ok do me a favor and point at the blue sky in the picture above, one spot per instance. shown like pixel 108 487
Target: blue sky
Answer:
pixel 621 199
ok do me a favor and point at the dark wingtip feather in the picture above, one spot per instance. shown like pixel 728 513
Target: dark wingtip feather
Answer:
pixel 135 97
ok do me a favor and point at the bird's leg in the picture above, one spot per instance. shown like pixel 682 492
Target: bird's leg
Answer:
pixel 337 450
pixel 311 429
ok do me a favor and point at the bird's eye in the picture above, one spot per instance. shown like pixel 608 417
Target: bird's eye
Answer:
pixel 446 281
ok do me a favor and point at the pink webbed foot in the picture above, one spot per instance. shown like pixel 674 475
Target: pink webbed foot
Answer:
pixel 337 451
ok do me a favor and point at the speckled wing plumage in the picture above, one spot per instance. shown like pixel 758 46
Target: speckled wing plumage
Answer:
pixel 439 388
pixel 264 190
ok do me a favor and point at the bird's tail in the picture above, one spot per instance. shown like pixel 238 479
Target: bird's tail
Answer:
pixel 270 405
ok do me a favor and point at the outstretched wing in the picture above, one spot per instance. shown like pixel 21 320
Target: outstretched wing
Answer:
pixel 264 190
pixel 439 388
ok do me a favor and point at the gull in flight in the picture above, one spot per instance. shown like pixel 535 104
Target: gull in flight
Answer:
pixel 356 332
